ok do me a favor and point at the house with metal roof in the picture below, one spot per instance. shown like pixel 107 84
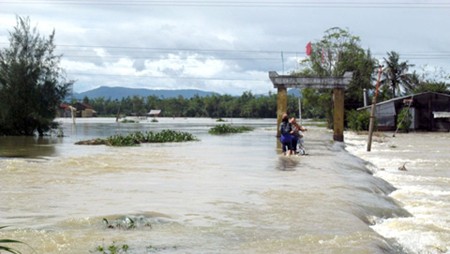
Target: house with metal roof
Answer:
pixel 430 111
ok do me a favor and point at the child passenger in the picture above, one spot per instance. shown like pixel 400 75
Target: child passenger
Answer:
pixel 296 134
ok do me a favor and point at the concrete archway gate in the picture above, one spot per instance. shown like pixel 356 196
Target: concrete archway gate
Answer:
pixel 338 84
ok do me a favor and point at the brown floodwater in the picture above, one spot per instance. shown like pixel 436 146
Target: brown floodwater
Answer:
pixel 221 194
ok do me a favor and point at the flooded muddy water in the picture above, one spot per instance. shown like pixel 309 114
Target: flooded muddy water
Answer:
pixel 221 194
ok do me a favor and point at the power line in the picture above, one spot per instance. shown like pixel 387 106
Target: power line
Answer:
pixel 172 49
pixel 243 4
pixel 293 55
pixel 71 51
pixel 205 58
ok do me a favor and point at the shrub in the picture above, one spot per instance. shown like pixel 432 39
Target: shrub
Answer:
pixel 358 120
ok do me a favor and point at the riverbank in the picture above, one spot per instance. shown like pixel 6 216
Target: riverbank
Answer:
pixel 417 165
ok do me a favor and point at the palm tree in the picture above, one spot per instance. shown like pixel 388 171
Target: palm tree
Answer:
pixel 396 74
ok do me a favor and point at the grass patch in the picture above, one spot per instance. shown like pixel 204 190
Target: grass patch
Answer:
pixel 228 128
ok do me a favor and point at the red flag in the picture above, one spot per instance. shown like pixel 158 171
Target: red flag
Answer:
pixel 308 49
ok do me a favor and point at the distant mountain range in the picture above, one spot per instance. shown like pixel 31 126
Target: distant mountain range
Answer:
pixel 123 92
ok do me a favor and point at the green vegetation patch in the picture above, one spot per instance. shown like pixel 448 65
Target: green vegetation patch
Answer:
pixel 112 249
pixel 9 249
pixel 115 248
pixel 5 242
pixel 404 120
pixel 137 138
pixel 228 128
pixel 358 120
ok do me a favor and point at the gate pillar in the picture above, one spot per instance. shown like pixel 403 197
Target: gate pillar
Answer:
pixel 281 106
pixel 338 114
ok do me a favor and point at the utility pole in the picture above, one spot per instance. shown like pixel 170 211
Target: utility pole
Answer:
pixel 372 110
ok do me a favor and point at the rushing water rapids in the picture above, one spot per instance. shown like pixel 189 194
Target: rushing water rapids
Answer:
pixel 222 194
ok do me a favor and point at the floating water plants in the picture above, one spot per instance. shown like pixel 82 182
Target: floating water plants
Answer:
pixel 137 138
pixel 113 249
pixel 129 121
pixel 228 128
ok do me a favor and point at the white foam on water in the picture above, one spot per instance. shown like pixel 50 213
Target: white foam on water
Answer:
pixel 423 189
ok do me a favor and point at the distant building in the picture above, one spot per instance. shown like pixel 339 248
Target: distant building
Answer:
pixel 84 110
pixel 64 110
pixel 430 112
pixel 154 112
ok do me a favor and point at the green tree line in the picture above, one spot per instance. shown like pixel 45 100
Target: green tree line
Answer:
pixel 247 105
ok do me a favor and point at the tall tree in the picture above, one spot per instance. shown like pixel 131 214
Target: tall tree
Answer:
pixel 337 52
pixel 396 75
pixel 436 80
pixel 32 84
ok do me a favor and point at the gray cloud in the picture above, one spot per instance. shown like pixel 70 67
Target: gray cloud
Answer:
pixel 223 49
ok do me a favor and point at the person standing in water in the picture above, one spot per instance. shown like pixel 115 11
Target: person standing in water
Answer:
pixel 286 135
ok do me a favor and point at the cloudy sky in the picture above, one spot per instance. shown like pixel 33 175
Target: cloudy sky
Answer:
pixel 218 45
